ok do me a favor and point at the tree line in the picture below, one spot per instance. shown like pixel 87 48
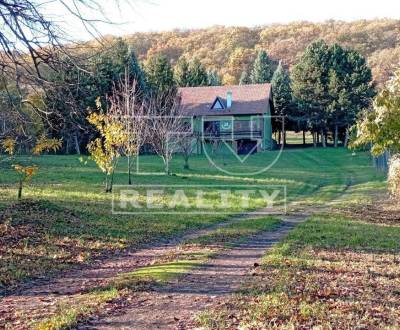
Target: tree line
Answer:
pixel 231 50
pixel 322 93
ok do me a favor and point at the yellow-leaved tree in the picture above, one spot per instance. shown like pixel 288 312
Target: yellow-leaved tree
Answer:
pixel 25 167
pixel 107 148
pixel 381 129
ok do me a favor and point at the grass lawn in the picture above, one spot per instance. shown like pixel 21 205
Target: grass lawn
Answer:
pixel 66 218
pixel 331 272
pixel 186 256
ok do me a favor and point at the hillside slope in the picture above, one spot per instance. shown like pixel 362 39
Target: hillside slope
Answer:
pixel 230 50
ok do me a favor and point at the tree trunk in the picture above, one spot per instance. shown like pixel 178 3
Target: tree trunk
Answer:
pixel 77 149
pixel 317 137
pixel 186 166
pixel 110 188
pixel 323 140
pixel 106 188
pixel 304 137
pixel 314 138
pixel 279 137
pixel 166 167
pixel 284 135
pixel 67 147
pixel 129 170
pixel 336 135
pixel 20 189
pixel 347 137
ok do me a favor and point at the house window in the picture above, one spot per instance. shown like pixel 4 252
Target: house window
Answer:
pixel 218 104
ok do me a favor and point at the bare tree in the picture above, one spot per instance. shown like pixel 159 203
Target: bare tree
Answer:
pixel 31 40
pixel 128 107
pixel 187 143
pixel 166 125
pixel 34 43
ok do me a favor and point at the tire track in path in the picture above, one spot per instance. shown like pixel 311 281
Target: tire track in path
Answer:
pixel 173 306
pixel 40 298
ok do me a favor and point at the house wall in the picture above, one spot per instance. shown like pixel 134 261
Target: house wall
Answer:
pixel 262 122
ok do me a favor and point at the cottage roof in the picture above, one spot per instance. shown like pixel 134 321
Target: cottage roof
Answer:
pixel 246 99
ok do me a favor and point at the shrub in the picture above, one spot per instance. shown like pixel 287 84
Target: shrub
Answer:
pixel 394 176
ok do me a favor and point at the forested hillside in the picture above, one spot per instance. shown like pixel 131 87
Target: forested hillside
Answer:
pixel 231 50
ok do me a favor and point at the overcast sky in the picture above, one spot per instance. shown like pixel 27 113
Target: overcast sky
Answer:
pixel 156 15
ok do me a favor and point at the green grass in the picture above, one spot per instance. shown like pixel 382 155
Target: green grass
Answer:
pixel 81 306
pixel 64 185
pixel 76 309
pixel 233 233
pixel 331 272
pixel 338 232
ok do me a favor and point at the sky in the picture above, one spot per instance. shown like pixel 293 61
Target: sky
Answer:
pixel 161 15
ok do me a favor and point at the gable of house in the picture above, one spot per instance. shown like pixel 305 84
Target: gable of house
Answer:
pixel 218 104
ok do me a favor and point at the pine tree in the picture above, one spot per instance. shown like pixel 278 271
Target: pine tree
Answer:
pixel 110 67
pixel 282 99
pixel 310 87
pixel 349 87
pixel 244 78
pixel 262 70
pixel 135 71
pixel 213 78
pixel 159 75
pixel 182 73
pixel 198 74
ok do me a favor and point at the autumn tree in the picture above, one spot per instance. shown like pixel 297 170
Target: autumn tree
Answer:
pixel 25 167
pixel 381 129
pixel 127 106
pixel 107 148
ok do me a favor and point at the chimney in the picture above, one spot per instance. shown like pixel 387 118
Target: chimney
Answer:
pixel 229 100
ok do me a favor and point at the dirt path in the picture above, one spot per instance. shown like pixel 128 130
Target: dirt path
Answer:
pixel 41 297
pixel 173 306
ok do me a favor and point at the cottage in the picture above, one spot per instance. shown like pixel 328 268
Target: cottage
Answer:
pixel 240 116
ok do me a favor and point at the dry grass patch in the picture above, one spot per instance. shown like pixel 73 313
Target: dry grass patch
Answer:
pixel 33 242
pixel 330 273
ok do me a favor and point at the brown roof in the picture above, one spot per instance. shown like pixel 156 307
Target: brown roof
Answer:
pixel 246 99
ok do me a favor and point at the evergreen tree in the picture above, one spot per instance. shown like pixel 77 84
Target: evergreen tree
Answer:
pixel 159 74
pixel 135 71
pixel 213 78
pixel 182 73
pixel 349 87
pixel 332 85
pixel 282 99
pixel 263 69
pixel 74 91
pixel 244 78
pixel 198 74
pixel 110 67
pixel 310 79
